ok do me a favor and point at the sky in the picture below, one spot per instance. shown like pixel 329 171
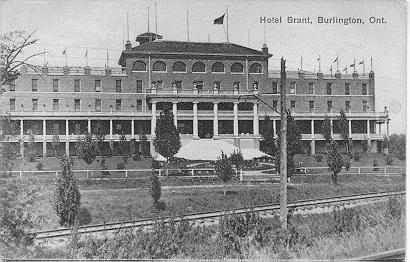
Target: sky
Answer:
pixel 99 26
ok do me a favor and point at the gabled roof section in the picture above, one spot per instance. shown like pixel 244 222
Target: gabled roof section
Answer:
pixel 193 48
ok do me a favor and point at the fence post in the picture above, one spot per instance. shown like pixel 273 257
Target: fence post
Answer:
pixel 126 174
pixel 91 174
pixel 192 172
pixel 385 169
pixel 21 174
pixel 241 176
pixel 56 173
pixel 159 172
pixel 358 170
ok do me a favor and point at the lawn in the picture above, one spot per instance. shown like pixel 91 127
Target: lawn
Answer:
pixel 108 204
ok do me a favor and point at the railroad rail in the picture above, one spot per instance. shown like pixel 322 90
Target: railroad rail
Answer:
pixel 203 217
pixel 390 255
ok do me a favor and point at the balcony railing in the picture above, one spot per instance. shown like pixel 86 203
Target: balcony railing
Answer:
pixel 155 91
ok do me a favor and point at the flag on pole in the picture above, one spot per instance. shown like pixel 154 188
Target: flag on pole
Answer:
pixel 345 69
pixel 318 58
pixel 361 63
pixel 219 20
pixel 352 65
pixel 64 51
pixel 331 69
pixel 336 60
pixel 86 54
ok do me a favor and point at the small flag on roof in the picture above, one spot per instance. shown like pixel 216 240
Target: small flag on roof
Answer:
pixel 219 20
pixel 361 63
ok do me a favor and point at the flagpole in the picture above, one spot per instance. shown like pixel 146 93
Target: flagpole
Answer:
pixel 363 67
pixel 65 53
pixel 371 64
pixel 227 25
pixel 337 64
pixel 187 24
pixel 86 58
pixel 301 63
pixel 128 29
pixel 156 22
pixel 354 65
pixel 44 57
pixel 108 65
pixel 123 41
pixel 319 64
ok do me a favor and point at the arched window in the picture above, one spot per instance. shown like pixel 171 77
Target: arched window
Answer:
pixel 218 67
pixel 179 67
pixel 198 67
pixel 255 68
pixel 236 68
pixel 159 66
pixel 139 66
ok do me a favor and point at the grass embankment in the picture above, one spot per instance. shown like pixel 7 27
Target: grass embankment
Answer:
pixel 107 205
pixel 339 235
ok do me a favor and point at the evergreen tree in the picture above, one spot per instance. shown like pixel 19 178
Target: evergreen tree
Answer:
pixel 55 143
pixel 343 125
pixel 31 146
pixel 334 160
pixel 155 190
pixel 167 141
pixel 87 149
pixel 294 145
pixel 268 136
pixel 67 196
pixel 124 148
pixel 327 129
pixel 224 170
pixel 100 136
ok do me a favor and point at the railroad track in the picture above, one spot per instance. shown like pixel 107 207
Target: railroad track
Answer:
pixel 200 218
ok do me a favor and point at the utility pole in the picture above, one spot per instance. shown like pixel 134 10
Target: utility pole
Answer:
pixel 283 147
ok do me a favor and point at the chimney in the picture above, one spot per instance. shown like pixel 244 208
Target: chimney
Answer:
pixel 265 49
pixel 128 46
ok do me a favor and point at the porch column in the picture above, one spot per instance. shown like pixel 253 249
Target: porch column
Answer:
pixel 174 111
pixel 21 138
pixel 312 142
pixel 44 139
pixel 216 134
pixel 255 119
pixel 132 128
pixel 235 119
pixel 350 128
pixel 89 125
pixel 153 125
pixel 369 142
pixel 111 136
pixel 67 141
pixel 195 123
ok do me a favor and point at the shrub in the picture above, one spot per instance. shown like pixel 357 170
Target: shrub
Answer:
pixel 395 208
pixel 84 216
pixel 136 157
pixel 356 156
pixel 346 220
pixel 346 163
pixel 224 170
pixel 389 159
pixel 155 164
pixel 121 165
pixel 318 157
pixel 39 166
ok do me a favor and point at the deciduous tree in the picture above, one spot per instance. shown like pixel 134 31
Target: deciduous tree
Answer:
pixel 327 129
pixel 343 125
pixel 236 159
pixel 334 160
pixel 268 135
pixel 224 170
pixel 87 149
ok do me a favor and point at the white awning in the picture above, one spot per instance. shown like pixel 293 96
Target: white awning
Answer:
pixel 159 157
pixel 205 149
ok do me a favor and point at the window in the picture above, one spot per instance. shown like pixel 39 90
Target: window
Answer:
pixel 311 106
pixel 35 104
pixel 365 106
pixel 347 106
pixel 237 68
pixel 139 86
pixel 118 86
pixel 198 67
pixel 275 104
pixel 364 89
pixel 217 85
pixel 98 105
pixel 218 67
pixel 292 105
pixel 139 105
pixel 255 68
pixel 293 87
pixel 199 85
pixel 329 88
pixel 55 85
pixel 97 85
pixel 329 106
pixel 139 66
pixel 275 87
pixel 159 66
pixel 179 67
pixel 12 86
pixel 55 105
pixel 12 104
pixel 76 105
pixel 118 104
pixel 347 89
pixel 236 85
pixel 34 85
pixel 178 84
pixel 76 85
pixel 311 88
